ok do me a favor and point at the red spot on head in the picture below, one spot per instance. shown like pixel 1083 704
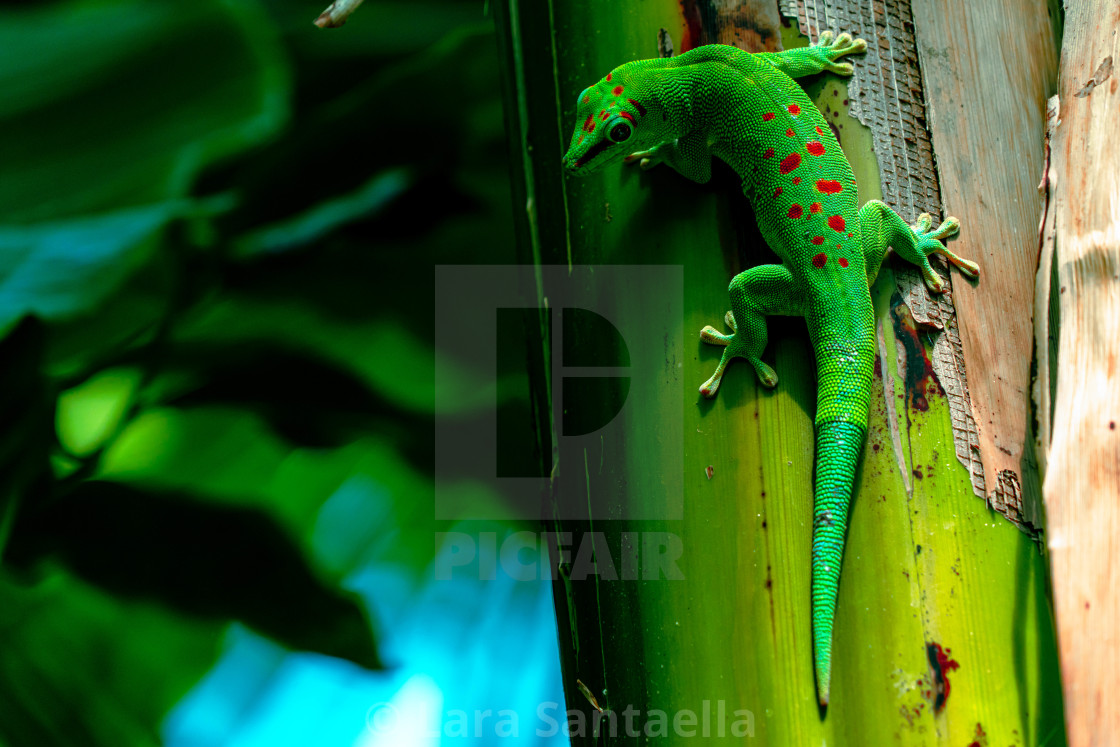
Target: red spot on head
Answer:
pixel 769 153
pixel 794 109
pixel 789 163
pixel 829 186
pixel 589 125
pixel 819 130
pixel 795 211
pixel 836 223
pixel 843 262
pixel 819 260
pixel 582 135
pixel 641 109
pixel 815 207
pixel 617 91
pixel 587 99
pixel 628 116
pixel 797 180
pixel 815 148
pixel 609 77
pixel 767 116
pixel 818 240
pixel 603 114
pixel 778 192
pixel 789 133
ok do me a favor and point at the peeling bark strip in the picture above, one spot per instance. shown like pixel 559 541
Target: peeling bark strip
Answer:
pixel 1083 474
pixel 886 96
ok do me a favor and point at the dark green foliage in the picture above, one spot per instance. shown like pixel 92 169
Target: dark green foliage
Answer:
pixel 218 228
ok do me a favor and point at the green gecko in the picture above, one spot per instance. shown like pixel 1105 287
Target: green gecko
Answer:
pixel 719 101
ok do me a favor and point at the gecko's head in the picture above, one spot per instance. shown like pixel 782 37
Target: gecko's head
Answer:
pixel 612 122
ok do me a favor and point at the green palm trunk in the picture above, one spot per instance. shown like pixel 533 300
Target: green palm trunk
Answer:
pixel 942 632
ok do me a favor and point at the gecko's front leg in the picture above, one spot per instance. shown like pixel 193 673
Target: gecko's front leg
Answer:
pixel 689 155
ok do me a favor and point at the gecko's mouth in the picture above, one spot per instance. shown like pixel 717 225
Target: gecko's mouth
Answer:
pixel 595 151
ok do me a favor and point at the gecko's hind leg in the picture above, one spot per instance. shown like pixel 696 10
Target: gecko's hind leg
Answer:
pixel 883 228
pixel 755 294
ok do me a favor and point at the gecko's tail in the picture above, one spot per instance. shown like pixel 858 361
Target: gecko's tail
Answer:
pixel 843 395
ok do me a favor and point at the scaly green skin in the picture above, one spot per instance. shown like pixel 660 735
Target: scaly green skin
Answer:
pixel 719 101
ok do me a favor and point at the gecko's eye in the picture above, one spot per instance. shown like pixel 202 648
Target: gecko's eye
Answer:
pixel 620 132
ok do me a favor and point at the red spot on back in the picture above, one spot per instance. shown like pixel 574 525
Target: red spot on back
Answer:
pixel 789 133
pixel 769 153
pixel 815 148
pixel 794 109
pixel 767 116
pixel 815 207
pixel 789 163
pixel 819 260
pixel 819 130
pixel 617 91
pixel 818 240
pixel 641 109
pixel 829 186
pixel 777 191
pixel 797 180
pixel 836 223
pixel 609 77
pixel 843 262
pixel 795 211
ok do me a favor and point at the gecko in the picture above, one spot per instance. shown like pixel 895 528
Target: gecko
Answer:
pixel 718 101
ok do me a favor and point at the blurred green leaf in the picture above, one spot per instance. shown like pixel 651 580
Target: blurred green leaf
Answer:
pixel 25 413
pixel 196 557
pixel 81 668
pixel 59 269
pixel 313 224
pixel 110 104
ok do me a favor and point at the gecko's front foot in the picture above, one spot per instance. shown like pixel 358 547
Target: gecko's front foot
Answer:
pixel 834 49
pixel 929 242
pixel 646 159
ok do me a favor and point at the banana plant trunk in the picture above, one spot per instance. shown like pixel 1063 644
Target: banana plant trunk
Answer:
pixel 682 589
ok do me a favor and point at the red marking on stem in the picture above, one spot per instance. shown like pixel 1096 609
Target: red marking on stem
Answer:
pixel 818 240
pixel 941 665
pixel 767 116
pixel 836 223
pixel 843 262
pixel 829 186
pixel 629 117
pixel 815 148
pixel 815 207
pixel 789 133
pixel 819 260
pixel 609 77
pixel 641 109
pixel 794 109
pixel 769 153
pixel 797 180
pixel 617 91
pixel 794 211
pixel 789 163
pixel 819 130
pixel 778 192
